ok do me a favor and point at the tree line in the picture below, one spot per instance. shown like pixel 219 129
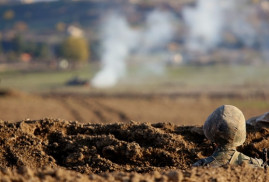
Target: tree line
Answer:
pixel 74 49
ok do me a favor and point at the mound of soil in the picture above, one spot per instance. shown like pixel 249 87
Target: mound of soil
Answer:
pixel 97 148
pixel 222 174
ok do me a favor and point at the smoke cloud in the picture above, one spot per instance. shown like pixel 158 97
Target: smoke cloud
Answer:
pixel 206 23
pixel 210 24
pixel 119 39
pixel 158 32
pixel 209 20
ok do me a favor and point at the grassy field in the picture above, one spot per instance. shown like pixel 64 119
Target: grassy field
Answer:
pixel 43 81
pixel 188 78
pixel 221 75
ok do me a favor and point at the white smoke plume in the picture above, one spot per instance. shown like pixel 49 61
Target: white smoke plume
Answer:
pixel 119 38
pixel 209 20
pixel 117 41
pixel 206 22
pixel 239 21
pixel 159 30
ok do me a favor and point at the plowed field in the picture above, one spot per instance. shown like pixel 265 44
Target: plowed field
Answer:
pixel 182 109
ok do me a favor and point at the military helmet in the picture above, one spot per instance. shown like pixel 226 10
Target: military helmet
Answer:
pixel 226 126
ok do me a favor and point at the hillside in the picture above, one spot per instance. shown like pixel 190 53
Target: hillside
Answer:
pixel 46 15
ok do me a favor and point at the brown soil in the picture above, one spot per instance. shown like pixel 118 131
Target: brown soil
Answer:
pixel 223 174
pixel 59 150
pixel 72 151
pixel 179 109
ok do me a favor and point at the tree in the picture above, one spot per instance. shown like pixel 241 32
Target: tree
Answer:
pixel 42 51
pixel 18 44
pixel 8 15
pixel 75 49
pixel 1 46
pixel 60 27
pixel 20 26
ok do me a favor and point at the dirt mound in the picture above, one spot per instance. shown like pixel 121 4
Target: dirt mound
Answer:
pixel 229 173
pixel 97 148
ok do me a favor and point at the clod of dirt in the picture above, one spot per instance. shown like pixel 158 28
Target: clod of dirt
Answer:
pixel 98 148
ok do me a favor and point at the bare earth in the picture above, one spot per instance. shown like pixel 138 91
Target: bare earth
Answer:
pixel 118 138
pixel 181 109
pixel 59 150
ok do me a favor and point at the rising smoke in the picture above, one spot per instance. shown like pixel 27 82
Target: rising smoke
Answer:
pixel 119 39
pixel 210 20
pixel 159 30
pixel 205 23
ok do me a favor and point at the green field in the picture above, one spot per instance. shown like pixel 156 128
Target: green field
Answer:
pixel 43 81
pixel 190 78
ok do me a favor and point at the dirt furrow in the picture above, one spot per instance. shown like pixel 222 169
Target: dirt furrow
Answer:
pixel 73 110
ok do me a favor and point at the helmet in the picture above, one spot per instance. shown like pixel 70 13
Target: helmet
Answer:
pixel 226 126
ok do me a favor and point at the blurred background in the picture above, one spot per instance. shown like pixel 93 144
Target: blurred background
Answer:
pixel 142 60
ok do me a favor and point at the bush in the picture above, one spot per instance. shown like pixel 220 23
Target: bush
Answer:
pixel 75 49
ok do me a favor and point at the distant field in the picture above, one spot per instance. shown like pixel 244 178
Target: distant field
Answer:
pixel 236 78
pixel 42 81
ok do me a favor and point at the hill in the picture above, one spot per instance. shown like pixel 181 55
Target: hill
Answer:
pixel 46 15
